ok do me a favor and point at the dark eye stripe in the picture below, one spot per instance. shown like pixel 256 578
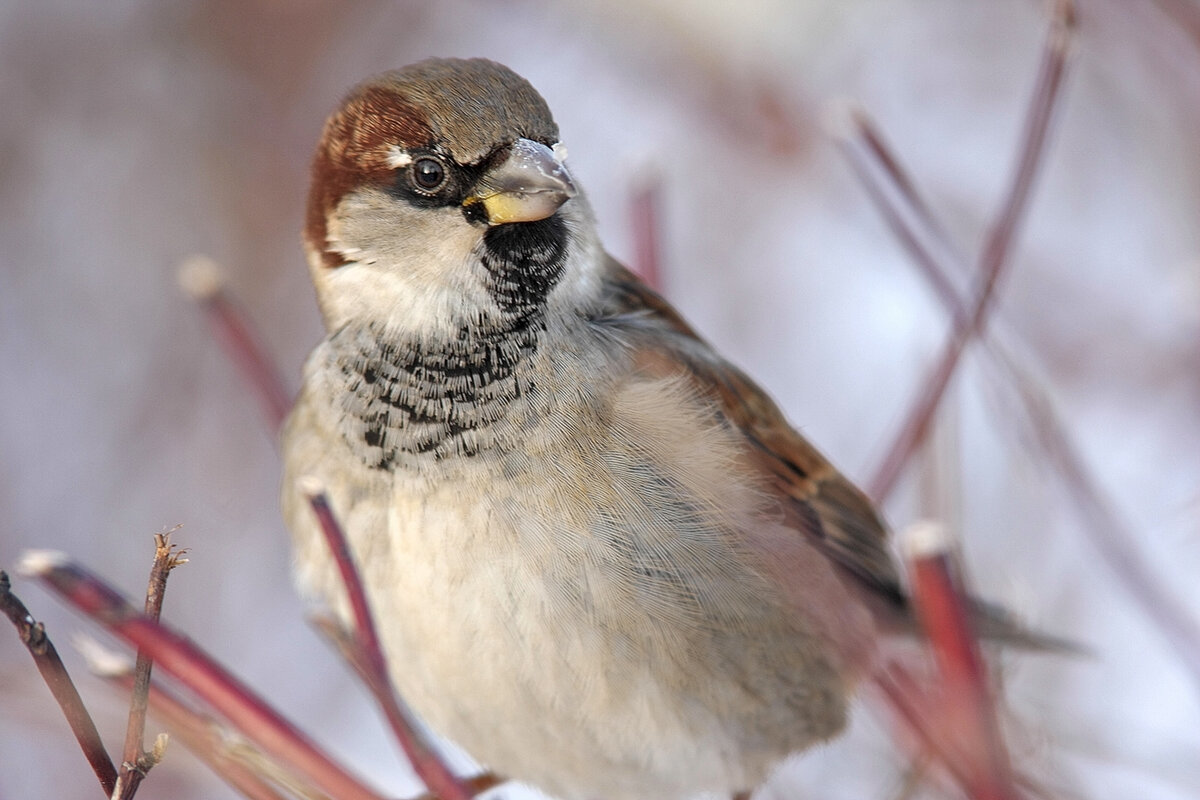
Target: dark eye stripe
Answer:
pixel 431 180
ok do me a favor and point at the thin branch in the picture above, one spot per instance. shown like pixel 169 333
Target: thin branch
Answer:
pixel 1185 14
pixel 234 759
pixel 646 225
pixel 896 197
pixel 350 650
pixel 366 654
pixel 180 658
pixel 135 761
pixel 913 705
pixel 251 774
pixel 203 280
pixel 1111 535
pixel 339 548
pixel 54 673
pixel 966 699
pixel 483 782
pixel 994 258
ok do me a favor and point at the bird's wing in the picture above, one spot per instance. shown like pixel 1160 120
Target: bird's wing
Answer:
pixel 817 499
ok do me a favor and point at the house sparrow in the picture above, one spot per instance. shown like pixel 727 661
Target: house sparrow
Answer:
pixel 600 558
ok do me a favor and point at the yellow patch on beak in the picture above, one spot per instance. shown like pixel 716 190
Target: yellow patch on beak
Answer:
pixel 531 184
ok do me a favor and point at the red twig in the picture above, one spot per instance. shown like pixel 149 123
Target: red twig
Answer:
pixel 1112 536
pixel 1185 14
pixel 968 710
pixel 914 707
pixel 202 279
pixel 339 548
pixel 180 658
pixel 994 257
pixel 366 655
pixel 203 735
pixel 135 761
pixel 897 199
pixel 54 673
pixel 204 738
pixel 1109 534
pixel 647 232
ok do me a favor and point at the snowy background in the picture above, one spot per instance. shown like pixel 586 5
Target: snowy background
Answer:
pixel 135 133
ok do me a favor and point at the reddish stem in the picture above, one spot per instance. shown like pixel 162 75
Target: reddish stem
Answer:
pixel 968 707
pixel 55 675
pixel 993 260
pixel 647 232
pixel 1110 535
pixel 135 762
pixel 204 737
pixel 243 344
pixel 180 658
pixel 906 213
pixel 339 548
pixel 203 280
pixel 366 654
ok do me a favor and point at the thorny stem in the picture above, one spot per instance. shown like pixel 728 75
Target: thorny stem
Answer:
pixel 136 762
pixel 366 654
pixel 54 673
pixel 993 260
pixel 180 658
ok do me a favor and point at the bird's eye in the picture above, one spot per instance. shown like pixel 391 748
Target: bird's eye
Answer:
pixel 428 174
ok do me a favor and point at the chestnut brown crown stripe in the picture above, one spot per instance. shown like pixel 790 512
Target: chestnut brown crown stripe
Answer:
pixel 474 102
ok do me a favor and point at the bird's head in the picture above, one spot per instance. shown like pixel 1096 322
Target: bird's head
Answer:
pixel 439 197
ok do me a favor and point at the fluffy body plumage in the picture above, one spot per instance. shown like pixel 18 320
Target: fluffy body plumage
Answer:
pixel 600 558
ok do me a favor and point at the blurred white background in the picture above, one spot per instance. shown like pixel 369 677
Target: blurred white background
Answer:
pixel 135 133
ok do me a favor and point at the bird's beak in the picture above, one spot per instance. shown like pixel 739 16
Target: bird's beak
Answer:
pixel 529 185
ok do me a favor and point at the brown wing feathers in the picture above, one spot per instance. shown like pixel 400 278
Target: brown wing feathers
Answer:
pixel 821 502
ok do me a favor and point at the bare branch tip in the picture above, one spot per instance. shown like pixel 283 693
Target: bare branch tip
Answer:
pixel 165 534
pixel 100 660
pixel 36 563
pixel 172 554
pixel 311 486
pixel 1066 13
pixel 176 557
pixel 1063 25
pixel 201 277
pixel 926 538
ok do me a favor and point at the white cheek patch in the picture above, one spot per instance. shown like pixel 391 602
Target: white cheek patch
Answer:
pixel 398 157
pixel 414 270
pixel 560 152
